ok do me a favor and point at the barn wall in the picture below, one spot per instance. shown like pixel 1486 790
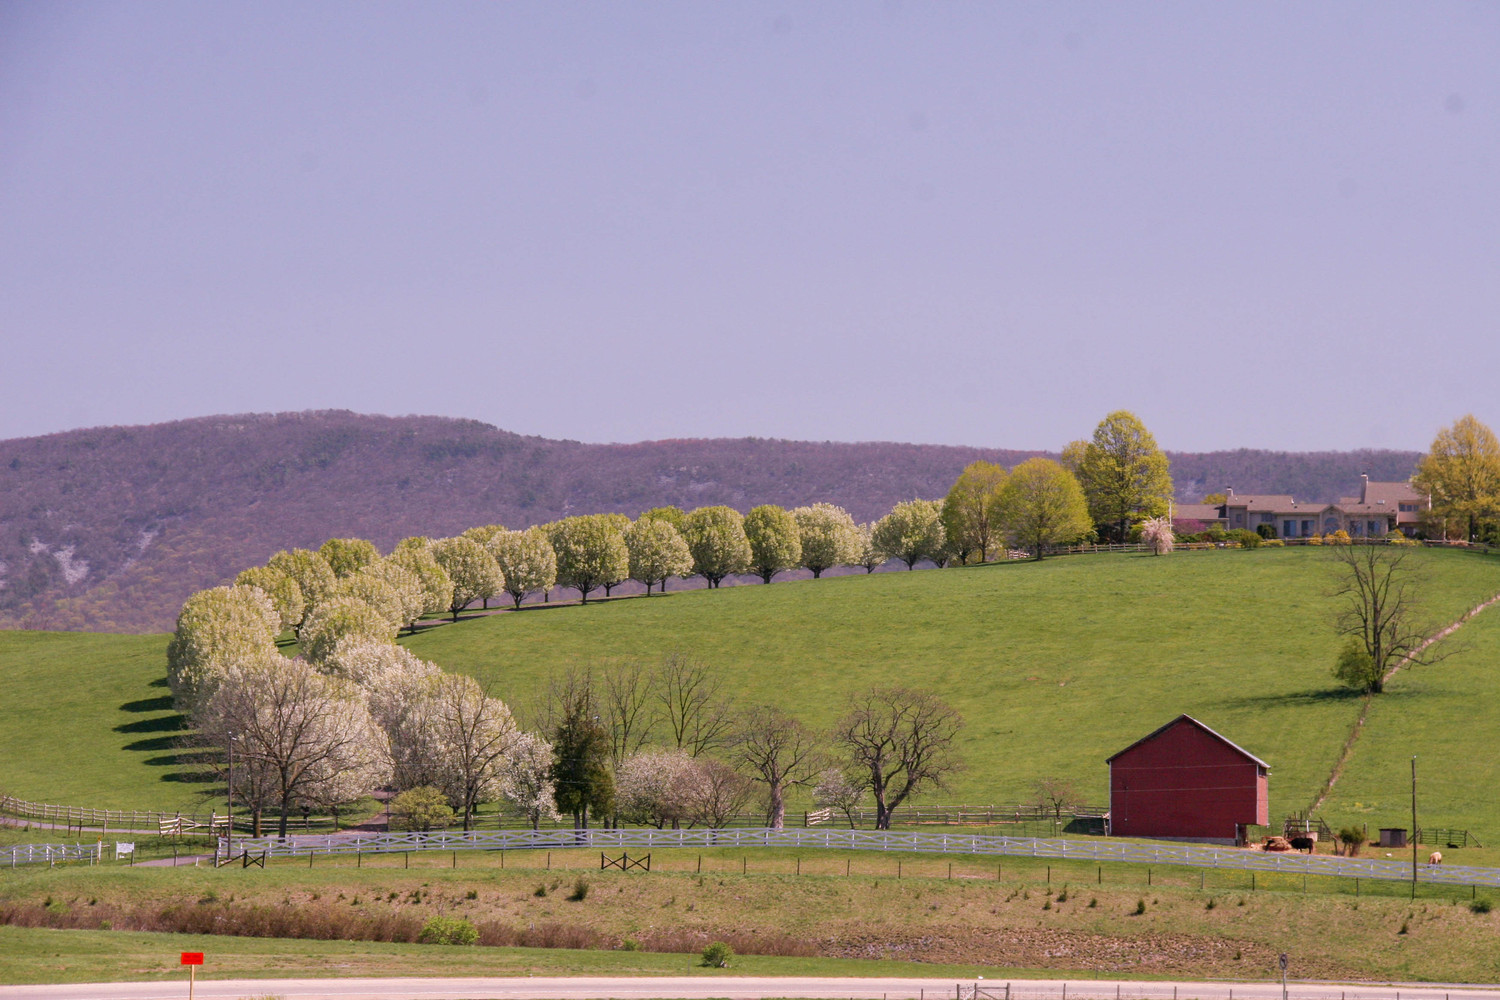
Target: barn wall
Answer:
pixel 1185 783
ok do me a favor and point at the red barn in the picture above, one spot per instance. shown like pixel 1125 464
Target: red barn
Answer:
pixel 1186 781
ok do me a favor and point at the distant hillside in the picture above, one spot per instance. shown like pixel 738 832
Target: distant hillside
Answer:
pixel 111 528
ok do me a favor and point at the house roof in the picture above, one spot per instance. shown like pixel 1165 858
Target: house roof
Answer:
pixel 1189 719
pixel 1386 495
pixel 1197 512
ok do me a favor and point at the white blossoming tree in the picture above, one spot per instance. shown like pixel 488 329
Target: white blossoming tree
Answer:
pixel 827 536
pixel 912 531
pixel 526 561
pixel 216 629
pixel 867 553
pixel 415 556
pixel 716 539
pixel 283 591
pixel 313 575
pixel 339 617
pixel 294 731
pixel 474 572
pixel 657 552
pixel 526 779
pixel 590 552
pixel 346 556
pixel 775 541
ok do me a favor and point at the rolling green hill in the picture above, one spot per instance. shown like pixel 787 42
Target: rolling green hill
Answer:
pixel 1054 665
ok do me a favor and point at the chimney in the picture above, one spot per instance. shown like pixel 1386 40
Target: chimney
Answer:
pixel 1364 489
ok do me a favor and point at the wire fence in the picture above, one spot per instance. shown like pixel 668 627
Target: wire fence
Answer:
pixel 1096 851
pixel 1065 990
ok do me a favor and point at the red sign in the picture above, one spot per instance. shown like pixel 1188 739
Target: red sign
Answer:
pixel 192 958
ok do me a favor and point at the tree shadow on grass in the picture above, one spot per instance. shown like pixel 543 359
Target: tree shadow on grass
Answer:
pixel 172 747
pixel 1318 696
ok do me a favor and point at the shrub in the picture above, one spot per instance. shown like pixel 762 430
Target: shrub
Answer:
pixel 717 955
pixel 1274 543
pixel 1314 539
pixel 448 930
pixel 1214 534
pixel 1266 531
pixel 1247 539
pixel 1353 838
pixel 1480 906
pixel 630 944
pixel 1340 537
pixel 1140 907
pixel 580 890
pixel 422 808
pixel 541 890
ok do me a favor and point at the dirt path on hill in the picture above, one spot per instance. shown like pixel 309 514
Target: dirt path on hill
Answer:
pixel 1364 710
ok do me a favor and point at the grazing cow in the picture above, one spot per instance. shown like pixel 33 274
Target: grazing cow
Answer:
pixel 1277 844
pixel 1436 858
pixel 1303 844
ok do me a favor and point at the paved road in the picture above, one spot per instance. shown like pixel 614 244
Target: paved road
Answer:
pixel 732 988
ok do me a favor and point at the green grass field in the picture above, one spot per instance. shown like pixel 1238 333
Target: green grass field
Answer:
pixel 1032 916
pixel 1054 665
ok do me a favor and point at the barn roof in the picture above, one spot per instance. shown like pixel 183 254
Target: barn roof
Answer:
pixel 1189 719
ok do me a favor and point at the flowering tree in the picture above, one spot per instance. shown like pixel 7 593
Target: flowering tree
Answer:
pixel 474 572
pixel 526 560
pixel 406 586
pixel 377 593
pixel 348 555
pixel 837 789
pixel 339 617
pixel 775 541
pixel 590 553
pixel 826 535
pixel 283 591
pixel 658 787
pixel 912 531
pixel 415 556
pixel 313 575
pixel 716 539
pixel 526 779
pixel 1157 533
pixel 294 728
pixel 470 736
pixel 657 551
pixel 216 629
pixel 867 553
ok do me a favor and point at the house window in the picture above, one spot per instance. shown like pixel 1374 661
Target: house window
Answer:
pixel 1408 508
pixel 1288 529
pixel 1356 528
pixel 1374 528
pixel 1307 527
pixel 1268 519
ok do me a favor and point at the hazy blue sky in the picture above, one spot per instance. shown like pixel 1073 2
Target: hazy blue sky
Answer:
pixel 1256 224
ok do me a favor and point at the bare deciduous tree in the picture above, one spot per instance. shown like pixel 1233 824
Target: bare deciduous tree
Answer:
pixel 721 792
pixel 902 741
pixel 691 704
pixel 1380 615
pixel 1054 795
pixel 629 699
pixel 779 751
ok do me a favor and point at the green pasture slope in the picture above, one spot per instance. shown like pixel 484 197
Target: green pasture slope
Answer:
pixel 1055 666
pixel 86 719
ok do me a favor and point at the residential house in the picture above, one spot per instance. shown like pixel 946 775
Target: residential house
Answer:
pixel 1379 509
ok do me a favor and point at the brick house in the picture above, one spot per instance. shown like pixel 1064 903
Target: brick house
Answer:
pixel 1379 509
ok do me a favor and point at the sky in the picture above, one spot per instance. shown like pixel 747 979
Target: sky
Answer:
pixel 1270 225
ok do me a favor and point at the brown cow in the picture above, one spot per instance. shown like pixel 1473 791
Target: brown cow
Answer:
pixel 1436 858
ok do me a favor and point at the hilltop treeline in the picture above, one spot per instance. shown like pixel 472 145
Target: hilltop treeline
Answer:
pixel 112 528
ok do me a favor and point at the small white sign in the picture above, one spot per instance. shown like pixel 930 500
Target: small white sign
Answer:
pixel 124 847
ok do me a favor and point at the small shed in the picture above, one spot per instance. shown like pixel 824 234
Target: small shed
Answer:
pixel 1185 781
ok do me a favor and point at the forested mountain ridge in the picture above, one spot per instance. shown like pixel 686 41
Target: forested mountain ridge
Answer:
pixel 112 528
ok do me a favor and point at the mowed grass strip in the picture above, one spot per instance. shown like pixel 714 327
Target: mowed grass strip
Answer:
pixel 1171 927
pixel 1054 665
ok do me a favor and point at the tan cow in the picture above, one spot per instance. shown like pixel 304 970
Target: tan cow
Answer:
pixel 1436 858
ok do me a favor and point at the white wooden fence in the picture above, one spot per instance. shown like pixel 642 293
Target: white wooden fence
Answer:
pixel 1091 850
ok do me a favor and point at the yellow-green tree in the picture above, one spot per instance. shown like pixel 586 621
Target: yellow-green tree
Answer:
pixel 966 510
pixel 1461 472
pixel 1123 473
pixel 1041 504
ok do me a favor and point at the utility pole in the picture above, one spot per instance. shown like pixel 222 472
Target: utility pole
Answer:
pixel 1413 826
pixel 229 806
